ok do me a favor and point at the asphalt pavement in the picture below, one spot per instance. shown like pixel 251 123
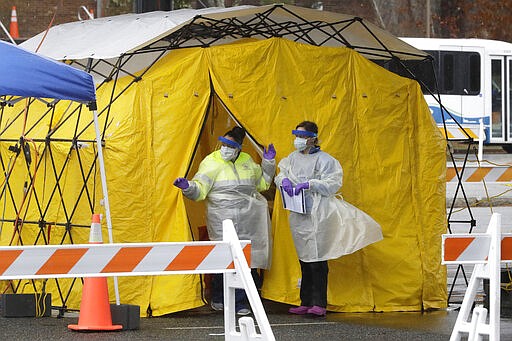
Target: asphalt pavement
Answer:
pixel 204 324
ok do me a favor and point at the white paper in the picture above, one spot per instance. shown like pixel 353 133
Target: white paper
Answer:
pixel 293 203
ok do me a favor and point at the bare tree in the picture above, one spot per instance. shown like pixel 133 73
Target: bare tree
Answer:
pixel 213 3
pixel 448 18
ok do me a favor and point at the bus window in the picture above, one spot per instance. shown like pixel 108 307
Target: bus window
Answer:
pixel 509 102
pixel 458 72
pixel 474 73
pixel 427 72
pixel 447 75
pixel 497 81
pixel 422 70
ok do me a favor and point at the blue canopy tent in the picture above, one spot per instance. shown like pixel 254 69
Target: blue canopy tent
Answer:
pixel 26 74
pixel 23 73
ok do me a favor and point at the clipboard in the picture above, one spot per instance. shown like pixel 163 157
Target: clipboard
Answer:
pixel 295 203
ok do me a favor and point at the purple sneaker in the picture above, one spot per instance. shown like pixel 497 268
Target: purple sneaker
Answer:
pixel 302 310
pixel 316 310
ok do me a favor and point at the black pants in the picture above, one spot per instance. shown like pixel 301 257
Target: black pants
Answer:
pixel 217 290
pixel 313 287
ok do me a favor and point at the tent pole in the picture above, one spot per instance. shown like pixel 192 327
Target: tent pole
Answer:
pixel 7 33
pixel 105 191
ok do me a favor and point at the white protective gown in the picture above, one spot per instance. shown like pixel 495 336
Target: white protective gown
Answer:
pixel 331 226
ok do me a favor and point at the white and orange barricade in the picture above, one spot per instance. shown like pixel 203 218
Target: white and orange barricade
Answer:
pixel 479 174
pixel 487 251
pixel 137 259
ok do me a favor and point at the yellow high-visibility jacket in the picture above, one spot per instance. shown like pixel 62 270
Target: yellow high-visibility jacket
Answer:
pixel 232 192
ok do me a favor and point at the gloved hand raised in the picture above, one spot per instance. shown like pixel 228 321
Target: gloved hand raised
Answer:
pixel 287 186
pixel 270 152
pixel 181 183
pixel 301 186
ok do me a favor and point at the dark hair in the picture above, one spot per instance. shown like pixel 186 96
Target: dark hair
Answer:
pixel 237 133
pixel 309 126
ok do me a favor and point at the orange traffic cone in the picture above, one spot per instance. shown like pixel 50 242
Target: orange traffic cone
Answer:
pixel 95 312
pixel 13 28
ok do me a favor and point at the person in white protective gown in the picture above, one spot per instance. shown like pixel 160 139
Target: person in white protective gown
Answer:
pixel 230 181
pixel 330 227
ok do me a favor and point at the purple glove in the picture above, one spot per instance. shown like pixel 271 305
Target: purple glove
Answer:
pixel 287 186
pixel 181 183
pixel 269 153
pixel 301 186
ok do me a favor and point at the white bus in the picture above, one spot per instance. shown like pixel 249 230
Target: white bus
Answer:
pixel 474 80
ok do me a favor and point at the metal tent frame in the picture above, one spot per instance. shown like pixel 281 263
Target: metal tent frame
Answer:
pixel 202 31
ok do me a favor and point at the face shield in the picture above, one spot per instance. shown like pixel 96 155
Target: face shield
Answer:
pixel 301 139
pixel 229 150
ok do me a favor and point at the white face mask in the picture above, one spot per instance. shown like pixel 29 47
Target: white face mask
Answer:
pixel 228 153
pixel 300 143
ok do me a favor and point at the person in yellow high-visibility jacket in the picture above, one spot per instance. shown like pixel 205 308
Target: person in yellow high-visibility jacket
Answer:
pixel 230 181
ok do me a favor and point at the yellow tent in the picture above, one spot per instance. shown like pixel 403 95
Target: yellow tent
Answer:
pixel 373 121
pixel 379 128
